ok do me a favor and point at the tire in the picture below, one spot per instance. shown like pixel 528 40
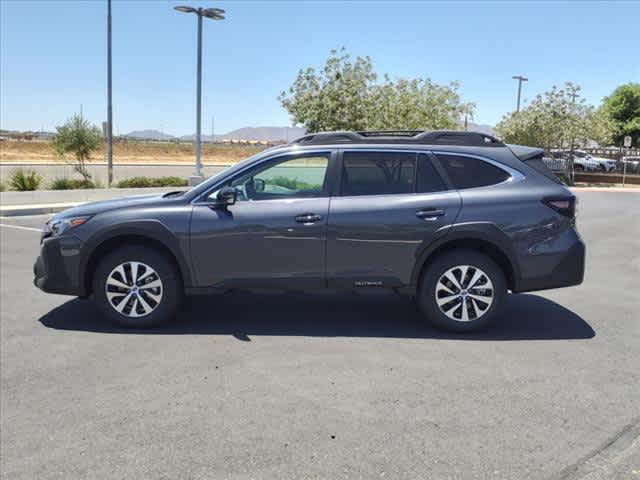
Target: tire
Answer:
pixel 153 303
pixel 435 287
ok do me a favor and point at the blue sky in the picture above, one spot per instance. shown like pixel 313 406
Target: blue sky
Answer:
pixel 53 55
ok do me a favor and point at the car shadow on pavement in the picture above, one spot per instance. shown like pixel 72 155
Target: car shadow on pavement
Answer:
pixel 525 317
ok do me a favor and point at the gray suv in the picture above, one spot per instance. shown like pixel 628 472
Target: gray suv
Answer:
pixel 455 220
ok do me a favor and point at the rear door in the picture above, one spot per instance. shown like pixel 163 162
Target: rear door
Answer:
pixel 390 205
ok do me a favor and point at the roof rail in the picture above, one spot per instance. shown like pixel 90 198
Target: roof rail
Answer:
pixel 436 137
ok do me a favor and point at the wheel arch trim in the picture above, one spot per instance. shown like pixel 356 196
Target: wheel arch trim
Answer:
pixel 152 230
pixel 485 235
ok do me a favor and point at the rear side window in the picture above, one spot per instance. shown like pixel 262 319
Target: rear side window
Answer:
pixel 468 172
pixel 428 179
pixel 378 173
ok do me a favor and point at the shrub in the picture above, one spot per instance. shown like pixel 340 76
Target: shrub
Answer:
pixel 3 187
pixel 25 180
pixel 144 182
pixel 293 183
pixel 71 184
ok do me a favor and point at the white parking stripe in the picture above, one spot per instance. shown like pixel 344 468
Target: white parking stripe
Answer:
pixel 19 227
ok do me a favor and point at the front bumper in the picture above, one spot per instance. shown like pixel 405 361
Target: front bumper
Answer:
pixel 57 269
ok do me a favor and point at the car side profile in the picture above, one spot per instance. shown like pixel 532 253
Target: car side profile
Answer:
pixel 456 220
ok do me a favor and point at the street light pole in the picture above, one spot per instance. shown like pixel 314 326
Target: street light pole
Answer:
pixel 109 106
pixel 520 79
pixel 198 173
pixel 213 14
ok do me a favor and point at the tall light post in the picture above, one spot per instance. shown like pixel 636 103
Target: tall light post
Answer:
pixel 109 132
pixel 213 14
pixel 520 79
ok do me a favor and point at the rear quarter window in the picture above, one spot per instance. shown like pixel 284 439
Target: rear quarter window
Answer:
pixel 469 172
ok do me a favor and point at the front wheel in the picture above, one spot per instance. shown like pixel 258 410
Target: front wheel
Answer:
pixel 462 291
pixel 137 287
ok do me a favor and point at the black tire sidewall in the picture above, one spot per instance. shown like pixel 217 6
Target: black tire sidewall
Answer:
pixel 431 274
pixel 171 285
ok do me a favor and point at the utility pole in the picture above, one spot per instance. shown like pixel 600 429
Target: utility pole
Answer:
pixel 520 79
pixel 109 148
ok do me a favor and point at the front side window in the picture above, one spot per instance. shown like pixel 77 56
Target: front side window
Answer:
pixel 301 176
pixel 378 173
pixel 469 172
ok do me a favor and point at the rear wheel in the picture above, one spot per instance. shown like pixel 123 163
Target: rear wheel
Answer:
pixel 462 291
pixel 137 287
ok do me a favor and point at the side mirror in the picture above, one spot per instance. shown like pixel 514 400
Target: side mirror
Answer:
pixel 226 196
pixel 258 185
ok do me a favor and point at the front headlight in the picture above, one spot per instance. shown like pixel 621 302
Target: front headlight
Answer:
pixel 59 226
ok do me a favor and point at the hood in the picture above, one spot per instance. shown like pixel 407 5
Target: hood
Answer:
pixel 94 208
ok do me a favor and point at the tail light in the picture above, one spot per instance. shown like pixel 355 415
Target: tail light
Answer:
pixel 565 206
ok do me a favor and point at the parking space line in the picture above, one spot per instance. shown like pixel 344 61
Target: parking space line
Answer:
pixel 20 227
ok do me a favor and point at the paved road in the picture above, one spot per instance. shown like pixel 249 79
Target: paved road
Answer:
pixel 299 387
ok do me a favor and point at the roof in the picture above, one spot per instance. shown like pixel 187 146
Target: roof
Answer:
pixel 419 137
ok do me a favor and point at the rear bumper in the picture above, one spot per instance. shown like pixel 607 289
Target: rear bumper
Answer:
pixel 566 270
pixel 57 269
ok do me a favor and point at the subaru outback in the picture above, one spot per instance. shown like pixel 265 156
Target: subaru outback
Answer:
pixel 455 220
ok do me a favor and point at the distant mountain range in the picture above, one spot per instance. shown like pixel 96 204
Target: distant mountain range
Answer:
pixel 266 134
pixel 148 135
pixel 475 127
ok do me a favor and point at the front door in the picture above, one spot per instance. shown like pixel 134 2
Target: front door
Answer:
pixel 390 206
pixel 275 233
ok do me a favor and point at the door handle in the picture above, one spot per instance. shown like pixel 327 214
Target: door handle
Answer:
pixel 308 218
pixel 430 214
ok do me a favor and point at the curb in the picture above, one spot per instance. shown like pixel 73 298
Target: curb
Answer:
pixel 22 210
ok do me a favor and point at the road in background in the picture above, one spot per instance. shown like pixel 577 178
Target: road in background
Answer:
pixel 316 386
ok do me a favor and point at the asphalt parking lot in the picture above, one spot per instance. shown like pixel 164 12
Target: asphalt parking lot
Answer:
pixel 296 387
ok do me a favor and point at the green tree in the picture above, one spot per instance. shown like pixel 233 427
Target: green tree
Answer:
pixel 78 137
pixel 622 110
pixel 344 95
pixel 555 119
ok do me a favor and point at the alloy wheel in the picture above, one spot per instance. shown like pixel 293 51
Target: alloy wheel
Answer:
pixel 134 289
pixel 464 293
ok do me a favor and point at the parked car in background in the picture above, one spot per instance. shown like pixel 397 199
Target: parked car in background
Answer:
pixel 583 161
pixel 586 162
pixel 632 162
pixel 456 220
